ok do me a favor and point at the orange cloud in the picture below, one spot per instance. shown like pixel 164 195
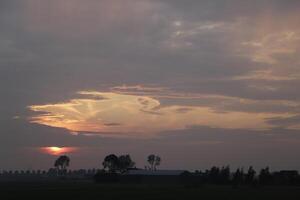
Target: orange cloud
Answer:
pixel 132 114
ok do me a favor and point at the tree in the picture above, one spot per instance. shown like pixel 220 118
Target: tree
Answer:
pixel 62 163
pixel 154 161
pixel 114 163
pixel 250 175
pixel 125 162
pixel 265 176
pixel 238 177
pixel 214 174
pixel 151 160
pixel 225 175
pixel 157 162
pixel 111 162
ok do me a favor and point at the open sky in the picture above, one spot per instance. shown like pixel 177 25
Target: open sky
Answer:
pixel 199 82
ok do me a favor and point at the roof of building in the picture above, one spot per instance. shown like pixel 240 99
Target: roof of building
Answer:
pixel 154 172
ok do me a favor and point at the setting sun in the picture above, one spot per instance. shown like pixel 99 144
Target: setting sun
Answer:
pixel 57 150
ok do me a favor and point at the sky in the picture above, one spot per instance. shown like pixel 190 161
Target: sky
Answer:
pixel 198 82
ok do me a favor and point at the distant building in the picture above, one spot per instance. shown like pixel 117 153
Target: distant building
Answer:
pixel 289 173
pixel 144 172
pixel 151 176
pixel 286 177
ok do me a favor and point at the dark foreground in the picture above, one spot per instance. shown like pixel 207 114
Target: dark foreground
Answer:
pixel 90 190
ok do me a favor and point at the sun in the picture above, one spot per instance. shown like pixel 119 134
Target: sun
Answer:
pixel 57 150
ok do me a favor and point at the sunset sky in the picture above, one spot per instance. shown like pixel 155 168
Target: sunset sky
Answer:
pixel 198 82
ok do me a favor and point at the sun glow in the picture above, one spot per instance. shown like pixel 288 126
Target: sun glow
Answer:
pixel 57 150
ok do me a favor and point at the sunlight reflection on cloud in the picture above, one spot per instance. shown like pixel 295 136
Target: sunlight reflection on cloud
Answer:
pixel 115 113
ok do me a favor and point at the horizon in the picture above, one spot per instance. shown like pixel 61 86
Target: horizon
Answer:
pixel 146 166
pixel 201 83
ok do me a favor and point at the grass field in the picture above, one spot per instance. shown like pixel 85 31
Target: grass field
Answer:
pixel 89 190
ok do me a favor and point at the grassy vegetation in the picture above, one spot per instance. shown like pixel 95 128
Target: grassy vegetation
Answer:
pixel 89 190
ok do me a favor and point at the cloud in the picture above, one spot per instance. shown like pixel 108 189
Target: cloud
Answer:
pixel 266 75
pixel 198 59
pixel 272 45
pixel 112 124
pixel 293 121
pixel 209 45
pixel 140 115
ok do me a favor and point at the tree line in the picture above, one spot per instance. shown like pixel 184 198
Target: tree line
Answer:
pixel 114 166
pixel 224 176
pixel 112 163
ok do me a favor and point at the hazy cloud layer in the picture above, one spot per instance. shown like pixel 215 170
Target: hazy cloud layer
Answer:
pixel 227 56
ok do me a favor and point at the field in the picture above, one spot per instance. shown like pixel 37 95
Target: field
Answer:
pixel 89 190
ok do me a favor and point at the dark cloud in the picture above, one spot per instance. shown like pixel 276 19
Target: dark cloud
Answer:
pixel 229 9
pixel 112 124
pixel 285 121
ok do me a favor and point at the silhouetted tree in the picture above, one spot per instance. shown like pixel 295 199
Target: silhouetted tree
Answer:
pixel 238 177
pixel 111 162
pixel 62 162
pixel 151 160
pixel 225 175
pixel 118 164
pixel 154 161
pixel 250 175
pixel 157 162
pixel 52 172
pixel 125 162
pixel 213 174
pixel 265 176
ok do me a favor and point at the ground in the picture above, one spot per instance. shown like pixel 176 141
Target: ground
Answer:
pixel 88 190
